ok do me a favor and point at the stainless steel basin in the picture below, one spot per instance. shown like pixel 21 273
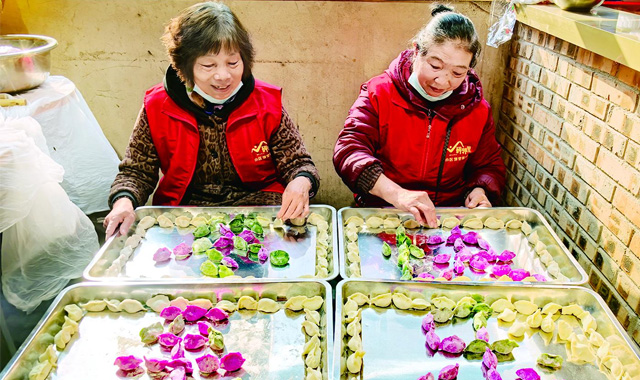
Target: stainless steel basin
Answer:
pixel 24 61
pixel 578 5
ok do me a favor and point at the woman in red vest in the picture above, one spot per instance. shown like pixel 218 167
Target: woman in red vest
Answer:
pixel 219 136
pixel 421 134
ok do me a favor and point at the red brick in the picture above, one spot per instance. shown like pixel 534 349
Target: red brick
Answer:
pixel 550 121
pixel 600 132
pixel 626 123
pixel 626 175
pixel 620 226
pixel 595 177
pixel 568 111
pixel 586 243
pixel 544 58
pixel 599 207
pixel 616 93
pixel 628 75
pixel 578 75
pixel 634 246
pixel 632 154
pixel 579 141
pixel 628 204
pixel 588 102
pixel 596 61
pixel 555 83
pixel 541 155
pixel 612 245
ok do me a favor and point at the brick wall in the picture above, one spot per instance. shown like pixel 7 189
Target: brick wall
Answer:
pixel 570 126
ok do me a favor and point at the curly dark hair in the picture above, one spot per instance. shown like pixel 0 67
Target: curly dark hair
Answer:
pixel 205 28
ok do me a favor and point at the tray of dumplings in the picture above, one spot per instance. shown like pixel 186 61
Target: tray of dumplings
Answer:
pixel 470 245
pixel 260 330
pixel 178 243
pixel 465 331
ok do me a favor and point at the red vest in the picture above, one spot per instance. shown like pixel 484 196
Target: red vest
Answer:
pixel 174 132
pixel 410 152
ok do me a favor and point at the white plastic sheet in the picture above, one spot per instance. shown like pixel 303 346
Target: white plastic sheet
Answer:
pixel 501 30
pixel 74 140
pixel 47 240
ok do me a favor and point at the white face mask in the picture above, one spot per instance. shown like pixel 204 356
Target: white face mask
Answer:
pixel 213 100
pixel 413 81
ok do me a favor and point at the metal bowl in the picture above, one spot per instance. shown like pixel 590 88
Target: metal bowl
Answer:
pixel 578 5
pixel 24 61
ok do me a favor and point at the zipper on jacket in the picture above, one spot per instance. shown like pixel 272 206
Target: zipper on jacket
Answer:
pixel 425 157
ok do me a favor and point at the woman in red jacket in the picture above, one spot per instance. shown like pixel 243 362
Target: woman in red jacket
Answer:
pixel 219 136
pixel 421 134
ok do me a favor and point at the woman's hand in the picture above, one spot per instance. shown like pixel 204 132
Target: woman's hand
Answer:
pixel 417 203
pixel 122 214
pixel 295 199
pixel 477 198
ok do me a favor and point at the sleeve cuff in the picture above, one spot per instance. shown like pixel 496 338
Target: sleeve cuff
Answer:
pixel 368 178
pixel 312 179
pixel 120 194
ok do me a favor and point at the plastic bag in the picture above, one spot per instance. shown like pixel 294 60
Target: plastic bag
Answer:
pixel 47 240
pixel 501 30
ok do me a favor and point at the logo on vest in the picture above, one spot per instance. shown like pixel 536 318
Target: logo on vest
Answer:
pixel 261 151
pixel 457 152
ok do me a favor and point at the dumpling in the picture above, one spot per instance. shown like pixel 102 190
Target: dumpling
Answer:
pixel 419 304
pixel 313 374
pixel 410 224
pixel 551 308
pixel 540 246
pixel 588 323
pixel 507 315
pixel 374 222
pixel 298 222
pixel 354 361
pixel 517 329
pixel 401 301
pixel 353 246
pixel 312 316
pixel 443 302
pixel 198 221
pixel 202 302
pixel 311 344
pixel 180 302
pixel 263 221
pixel 310 328
pixel 473 223
pixel 359 298
pixel 322 262
pixel 354 220
pixel 322 273
pixel 246 302
pixel 322 226
pixel 353 257
pixel 131 306
pixel 164 221
pixel 499 305
pixel 73 311
pixel 70 324
pixel 450 222
pixel 350 305
pixel 183 221
pixel 113 305
pixel 267 305
pixel 547 325
pixel 321 252
pixel 546 258
pixel 350 316
pixel 147 222
pixel 391 223
pixel 525 307
pixel 382 300
pixel 354 327
pixel 313 303
pixel 313 358
pixel 596 339
pixel 315 218
pixel 40 371
pixel 354 269
pixel 493 223
pixel 564 330
pixel 295 303
pixel 574 310
pixel 227 306
pixel 94 305
pixel 533 238
pixel 352 235
pixel 525 228
pixel 355 343
pixel 534 320
pixel 513 224
pixel 133 241
pixel 49 355
pixel 158 302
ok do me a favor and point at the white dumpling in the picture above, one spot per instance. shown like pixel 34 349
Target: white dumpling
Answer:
pixel 450 222
pixel 540 246
pixel 315 218
pixel 493 223
pixel 310 328
pixel 391 223
pixel 321 252
pixel 227 306
pixel 322 273
pixel 419 304
pixel 133 241
pixel 354 361
pixel 534 320
pixel 94 305
pixel 525 228
pixel 73 311
pixel 70 324
pixel 201 302
pixel 574 310
pixel 126 253
pixel 411 224
pixel 513 224
pixel 547 325
pixel 596 339
pixel 352 235
pixel 246 302
pixel 473 223
pixel 50 355
pixel 355 343
pixel 313 358
pixel 267 305
pixel 158 302
pixel 401 301
pixel 313 374
pixel 507 315
pixel 382 300
pixel 62 338
pixel 533 238
pixel 359 298
pixel 350 316
pixel 443 302
pixel 353 246
pixel 355 220
pixel 312 316
pixel 264 221
pixel 147 222
pixel 350 305
pixel 582 352
pixel 546 258
pixel 499 305
pixel 353 257
pixel 551 308
pixel 40 371
pixel 588 322
pixel 525 307
pixel 311 344
pixel 295 303
pixel 354 327
pixel 322 262
pixel 564 330
pixel 131 306
pixel 354 269
pixel 374 222
pixel 517 329
pixel 113 305
pixel 164 221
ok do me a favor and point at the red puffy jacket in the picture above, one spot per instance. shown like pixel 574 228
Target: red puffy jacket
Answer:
pixel 174 131
pixel 389 125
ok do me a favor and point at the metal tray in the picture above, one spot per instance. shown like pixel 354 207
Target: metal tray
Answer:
pixel 271 343
pixel 374 265
pixel 141 267
pixel 395 345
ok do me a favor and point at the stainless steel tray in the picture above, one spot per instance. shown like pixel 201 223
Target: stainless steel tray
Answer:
pixel 373 265
pixel 395 345
pixel 271 343
pixel 141 267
